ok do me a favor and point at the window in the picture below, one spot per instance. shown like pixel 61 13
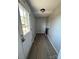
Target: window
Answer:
pixel 24 15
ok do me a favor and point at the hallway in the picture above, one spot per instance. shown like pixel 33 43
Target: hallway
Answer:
pixel 42 48
pixel 34 17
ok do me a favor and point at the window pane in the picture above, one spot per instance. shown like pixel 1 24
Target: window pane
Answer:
pixel 24 15
pixel 21 10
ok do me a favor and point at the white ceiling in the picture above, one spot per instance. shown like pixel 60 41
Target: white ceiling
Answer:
pixel 48 5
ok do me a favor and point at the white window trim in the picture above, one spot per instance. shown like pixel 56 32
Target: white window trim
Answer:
pixel 28 21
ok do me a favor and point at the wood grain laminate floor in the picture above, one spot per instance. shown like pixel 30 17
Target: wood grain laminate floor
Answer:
pixel 42 48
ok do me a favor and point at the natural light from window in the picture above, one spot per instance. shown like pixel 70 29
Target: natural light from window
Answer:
pixel 24 15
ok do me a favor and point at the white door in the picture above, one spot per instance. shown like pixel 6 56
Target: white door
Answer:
pixel 20 44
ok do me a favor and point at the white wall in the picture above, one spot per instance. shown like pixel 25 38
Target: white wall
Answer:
pixel 29 37
pixel 54 25
pixel 40 25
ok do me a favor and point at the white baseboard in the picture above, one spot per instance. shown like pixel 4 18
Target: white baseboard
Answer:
pixel 52 44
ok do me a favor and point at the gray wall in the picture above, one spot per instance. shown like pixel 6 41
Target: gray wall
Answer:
pixel 40 25
pixel 29 37
pixel 54 25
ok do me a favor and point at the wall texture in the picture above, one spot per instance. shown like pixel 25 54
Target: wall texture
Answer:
pixel 54 25
pixel 29 37
pixel 40 25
